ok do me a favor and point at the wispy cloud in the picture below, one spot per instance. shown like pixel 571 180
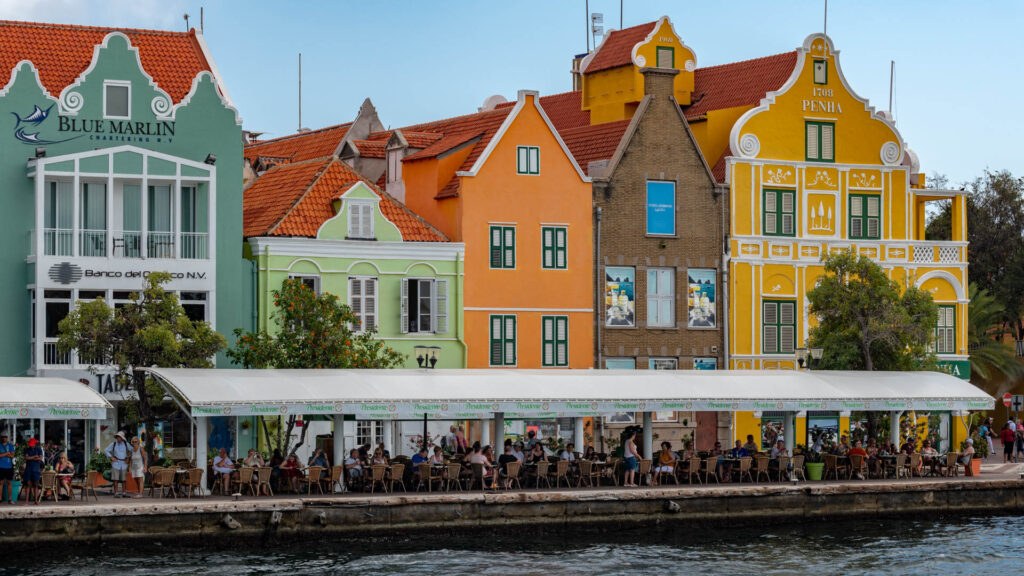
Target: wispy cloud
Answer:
pixel 162 14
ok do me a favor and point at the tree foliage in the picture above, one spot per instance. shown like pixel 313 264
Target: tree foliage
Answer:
pixel 989 355
pixel 152 330
pixel 866 321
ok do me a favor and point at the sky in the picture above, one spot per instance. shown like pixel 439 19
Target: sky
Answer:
pixel 958 80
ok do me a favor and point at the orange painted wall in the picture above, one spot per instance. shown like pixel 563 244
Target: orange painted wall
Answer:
pixel 557 196
pixel 423 180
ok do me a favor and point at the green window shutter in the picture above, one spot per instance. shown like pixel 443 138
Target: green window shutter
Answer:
pixel 865 216
pixel 874 217
pixel 562 341
pixel 945 330
pixel 770 324
pixel 510 340
pixel 779 213
pixel 778 321
pixel 770 212
pixel 561 248
pixel 856 216
pixel 787 213
pixel 821 72
pixel 533 159
pixel 820 141
pixel 787 327
pixel 554 254
pixel 812 141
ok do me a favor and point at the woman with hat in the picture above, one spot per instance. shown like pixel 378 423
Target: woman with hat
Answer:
pixel 117 452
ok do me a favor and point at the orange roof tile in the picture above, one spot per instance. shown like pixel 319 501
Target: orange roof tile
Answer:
pixel 591 143
pixel 420 140
pixel 296 199
pixel 718 171
pixel 369 148
pixel 617 48
pixel 300 147
pixel 62 52
pixel 738 83
pixel 563 109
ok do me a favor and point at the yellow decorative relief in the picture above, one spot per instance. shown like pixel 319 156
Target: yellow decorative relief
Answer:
pixel 869 252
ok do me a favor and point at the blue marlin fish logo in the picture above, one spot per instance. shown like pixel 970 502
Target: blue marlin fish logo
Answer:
pixel 37 117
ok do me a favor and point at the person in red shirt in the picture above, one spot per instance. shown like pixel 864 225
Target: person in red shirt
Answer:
pixel 858 450
pixel 1007 436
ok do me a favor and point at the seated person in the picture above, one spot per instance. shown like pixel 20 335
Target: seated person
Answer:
pixel 420 457
pixel 438 458
pixel 968 454
pixel 379 459
pixel 519 452
pixel 740 451
pixel 590 454
pixel 909 447
pixel 666 461
pixel 354 465
pixel 290 471
pixel 253 459
pixel 503 461
pixel 223 468
pixel 319 459
pixel 844 446
pixel 779 450
pixel 750 446
pixel 569 453
pixel 535 455
pixel 688 451
pixel 926 448
pixel 64 469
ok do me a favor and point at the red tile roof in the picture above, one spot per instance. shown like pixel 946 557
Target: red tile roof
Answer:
pixel 738 83
pixel 62 52
pixel 617 48
pixel 591 143
pixel 300 147
pixel 718 170
pixel 370 148
pixel 296 199
pixel 420 140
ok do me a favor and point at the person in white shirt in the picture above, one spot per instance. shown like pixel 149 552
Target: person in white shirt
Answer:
pixel 779 450
pixel 117 452
pixel 223 468
pixel 569 453
pixel 517 451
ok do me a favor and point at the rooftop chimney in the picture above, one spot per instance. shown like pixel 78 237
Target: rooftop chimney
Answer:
pixel 659 81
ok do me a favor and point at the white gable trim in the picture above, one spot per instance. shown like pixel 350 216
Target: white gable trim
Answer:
pixel 345 203
pixel 689 65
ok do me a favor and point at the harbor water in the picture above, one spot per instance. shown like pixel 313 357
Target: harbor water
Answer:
pixel 965 545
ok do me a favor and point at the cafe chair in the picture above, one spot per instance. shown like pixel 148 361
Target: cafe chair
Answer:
pixel 744 469
pixel 858 465
pixel 454 469
pixel 193 482
pixel 762 468
pixel 337 478
pixel 48 484
pixel 783 468
pixel 244 479
pixel 560 473
pixel 87 485
pixel 693 470
pixel 542 473
pixel 163 482
pixel 587 473
pixel 512 474
pixel 262 480
pixel 914 465
pixel 661 477
pixel 644 472
pixel 952 464
pixel 798 467
pixel 397 477
pixel 377 473
pixel 313 479
pixel 707 468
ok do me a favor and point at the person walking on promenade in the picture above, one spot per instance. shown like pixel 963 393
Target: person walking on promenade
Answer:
pixel 117 452
pixel 138 465
pixel 1008 438
pixel 33 470
pixel 630 459
pixel 7 467
pixel 985 431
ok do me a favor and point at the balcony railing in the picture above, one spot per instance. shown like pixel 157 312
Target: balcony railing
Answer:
pixel 195 245
pixel 127 244
pixel 160 245
pixel 92 243
pixel 57 241
pixel 54 357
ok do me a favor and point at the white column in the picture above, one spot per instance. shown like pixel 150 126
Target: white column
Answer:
pixel 97 439
pixel 648 436
pixel 485 432
pixel 108 243
pixel 76 213
pixel 499 433
pixel 41 434
pixel 894 428
pixel 201 439
pixel 389 430
pixel 577 435
pixel 339 441
pixel 789 430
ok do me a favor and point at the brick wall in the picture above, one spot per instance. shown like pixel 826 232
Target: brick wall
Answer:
pixel 661 148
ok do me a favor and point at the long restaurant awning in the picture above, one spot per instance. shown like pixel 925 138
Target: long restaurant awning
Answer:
pixel 472 394
pixel 51 399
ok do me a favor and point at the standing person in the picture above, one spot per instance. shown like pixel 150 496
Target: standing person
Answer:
pixel 117 452
pixel 630 458
pixel 7 451
pixel 138 465
pixel 1020 438
pixel 1007 436
pixel 33 469
pixel 448 441
pixel 986 433
pixel 461 444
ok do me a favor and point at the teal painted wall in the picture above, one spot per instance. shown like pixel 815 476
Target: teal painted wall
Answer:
pixel 206 125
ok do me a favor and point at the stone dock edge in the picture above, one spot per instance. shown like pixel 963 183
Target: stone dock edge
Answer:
pixel 263 522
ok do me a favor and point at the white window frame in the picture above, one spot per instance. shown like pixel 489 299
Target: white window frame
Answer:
pixel 438 306
pixel 656 299
pixel 364 297
pixel 125 84
pixel 667 363
pixel 356 209
pixel 528 160
pixel 303 277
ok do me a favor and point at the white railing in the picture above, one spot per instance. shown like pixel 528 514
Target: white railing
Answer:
pixel 160 245
pixel 92 243
pixel 53 356
pixel 195 245
pixel 127 244
pixel 57 241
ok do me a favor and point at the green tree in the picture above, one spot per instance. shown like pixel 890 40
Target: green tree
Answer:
pixel 152 330
pixel 867 321
pixel 313 331
pixel 989 355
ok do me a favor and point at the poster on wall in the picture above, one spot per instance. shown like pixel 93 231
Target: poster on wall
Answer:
pixel 619 296
pixel 661 208
pixel 701 298
pixel 705 363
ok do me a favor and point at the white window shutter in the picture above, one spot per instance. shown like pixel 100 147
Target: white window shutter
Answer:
pixel 523 166
pixel 872 205
pixel 787 313
pixel 769 201
pixel 441 307
pixel 549 247
pixel 405 306
pixel 873 227
pixel 510 340
pixel 560 252
pixel 496 340
pixel 812 142
pixel 355 300
pixel 771 340
pixel 856 206
pixel 770 225
pixel 562 342
pixel 367 221
pixel 509 246
pixel 353 220
pixel 855 228
pixel 370 304
pixel 786 337
pixel 826 142
pixel 771 313
pixel 548 340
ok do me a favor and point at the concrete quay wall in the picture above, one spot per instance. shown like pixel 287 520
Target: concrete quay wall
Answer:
pixel 261 522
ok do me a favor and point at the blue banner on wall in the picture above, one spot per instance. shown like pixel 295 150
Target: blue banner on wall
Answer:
pixel 661 208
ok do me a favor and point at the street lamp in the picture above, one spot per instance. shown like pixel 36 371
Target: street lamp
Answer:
pixel 809 356
pixel 426 356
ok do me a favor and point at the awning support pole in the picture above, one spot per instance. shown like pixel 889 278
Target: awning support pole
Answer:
pixel 339 442
pixel 202 440
pixel 789 430
pixel 389 427
pixel 648 436
pixel 485 433
pixel 577 435
pixel 499 433
pixel 894 428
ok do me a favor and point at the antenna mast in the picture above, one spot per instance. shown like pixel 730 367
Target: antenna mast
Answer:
pixel 300 91
pixel 587 8
pixel 186 21
pixel 892 75
pixel 201 19
pixel 825 31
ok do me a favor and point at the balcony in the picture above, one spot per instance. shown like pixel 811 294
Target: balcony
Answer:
pixel 124 244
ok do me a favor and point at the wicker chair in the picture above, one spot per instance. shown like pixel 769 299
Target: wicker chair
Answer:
pixel 87 485
pixel 397 477
pixel 192 482
pixel 262 480
pixel 858 465
pixel 952 464
pixel 798 467
pixel 762 467
pixel 609 471
pixel 48 483
pixel 707 468
pixel 163 482
pixel 660 475
pixel 832 466
pixel 914 465
pixel 898 468
pixel 744 469
pixel 693 470
pixel 337 479
pixel 783 468
pixel 477 476
pixel 512 474
pixel 542 473
pixel 377 476
pixel 244 479
pixel 454 469
pixel 588 473
pixel 560 473
pixel 312 478
pixel 644 470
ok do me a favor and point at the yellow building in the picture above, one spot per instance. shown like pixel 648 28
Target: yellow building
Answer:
pixel 815 169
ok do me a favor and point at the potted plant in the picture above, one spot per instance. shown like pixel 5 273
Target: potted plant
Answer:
pixel 19 465
pixel 99 462
pixel 980 452
pixel 812 462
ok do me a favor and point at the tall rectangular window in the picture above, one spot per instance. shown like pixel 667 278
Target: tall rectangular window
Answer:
pixel 661 208
pixel 117 100
pixel 666 57
pixel 779 210
pixel 503 339
pixel 57 218
pixel 820 141
pixel 661 297
pixel 554 242
pixel 93 220
pixel 555 340
pixel 527 160
pixel 821 72
pixel 360 219
pixel 424 304
pixel 194 222
pixel 160 242
pixel 362 298
pixel 778 321
pixel 865 216
pixel 311 282
pixel 945 331
pixel 503 246
pixel 194 305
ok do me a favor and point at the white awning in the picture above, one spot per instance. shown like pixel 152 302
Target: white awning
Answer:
pixel 469 394
pixel 50 398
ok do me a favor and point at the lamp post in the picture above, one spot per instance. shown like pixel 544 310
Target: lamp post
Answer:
pixel 809 356
pixel 426 358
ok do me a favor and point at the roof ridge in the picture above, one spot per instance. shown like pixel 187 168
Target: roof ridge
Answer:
pixel 316 178
pixel 34 24
pixel 440 120
pixel 786 53
pixel 297 135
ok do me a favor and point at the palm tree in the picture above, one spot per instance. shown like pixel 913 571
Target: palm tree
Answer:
pixel 989 356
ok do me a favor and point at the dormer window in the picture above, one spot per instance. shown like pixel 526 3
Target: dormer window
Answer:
pixel 528 160
pixel 821 72
pixel 360 219
pixel 666 57
pixel 394 165
pixel 117 100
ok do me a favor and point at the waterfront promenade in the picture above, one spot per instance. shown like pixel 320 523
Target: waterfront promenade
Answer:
pixel 252 521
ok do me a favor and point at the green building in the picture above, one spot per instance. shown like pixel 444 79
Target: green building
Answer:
pixel 122 157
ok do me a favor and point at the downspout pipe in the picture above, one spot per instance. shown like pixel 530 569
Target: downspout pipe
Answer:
pixel 597 287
